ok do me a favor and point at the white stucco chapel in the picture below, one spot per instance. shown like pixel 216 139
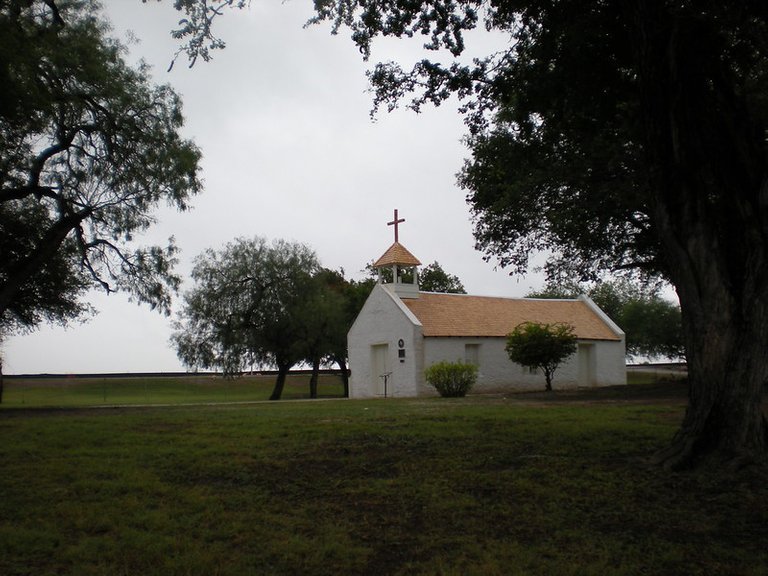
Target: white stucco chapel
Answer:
pixel 401 330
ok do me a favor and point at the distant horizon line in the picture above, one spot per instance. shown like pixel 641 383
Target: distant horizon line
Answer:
pixel 65 375
pixel 301 371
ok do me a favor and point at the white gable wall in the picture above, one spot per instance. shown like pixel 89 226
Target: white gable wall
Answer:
pixel 610 363
pixel 597 363
pixel 609 359
pixel 381 324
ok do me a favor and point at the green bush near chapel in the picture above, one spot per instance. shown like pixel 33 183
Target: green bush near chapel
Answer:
pixel 452 379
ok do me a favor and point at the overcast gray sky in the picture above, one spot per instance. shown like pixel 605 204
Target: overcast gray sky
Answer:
pixel 289 151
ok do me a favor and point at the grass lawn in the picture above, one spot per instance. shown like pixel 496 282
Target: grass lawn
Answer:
pixel 111 391
pixel 483 485
pixel 203 389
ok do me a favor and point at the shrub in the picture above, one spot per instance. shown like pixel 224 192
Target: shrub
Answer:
pixel 545 346
pixel 451 379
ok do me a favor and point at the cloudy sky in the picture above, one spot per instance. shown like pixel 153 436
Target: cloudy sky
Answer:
pixel 282 118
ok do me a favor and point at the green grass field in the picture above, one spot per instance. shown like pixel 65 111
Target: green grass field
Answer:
pixel 111 391
pixel 482 485
pixel 203 389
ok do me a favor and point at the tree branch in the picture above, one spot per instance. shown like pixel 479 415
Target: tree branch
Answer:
pixel 21 192
pixel 47 246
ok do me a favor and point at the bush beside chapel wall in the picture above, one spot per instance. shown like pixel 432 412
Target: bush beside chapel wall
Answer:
pixel 451 379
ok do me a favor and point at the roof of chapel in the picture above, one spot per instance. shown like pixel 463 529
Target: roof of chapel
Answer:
pixel 481 316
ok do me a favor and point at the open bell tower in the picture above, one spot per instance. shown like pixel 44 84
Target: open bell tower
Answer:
pixel 404 266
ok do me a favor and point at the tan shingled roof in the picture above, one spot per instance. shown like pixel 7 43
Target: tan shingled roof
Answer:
pixel 481 316
pixel 396 254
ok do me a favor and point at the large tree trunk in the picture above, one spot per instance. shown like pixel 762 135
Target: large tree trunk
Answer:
pixel 344 375
pixel 282 372
pixel 727 367
pixel 314 378
pixel 709 192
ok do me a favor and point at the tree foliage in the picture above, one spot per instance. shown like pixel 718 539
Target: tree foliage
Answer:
pixel 88 149
pixel 326 324
pixel 541 345
pixel 652 324
pixel 195 30
pixel 261 304
pixel 251 305
pixel 433 278
pixel 54 293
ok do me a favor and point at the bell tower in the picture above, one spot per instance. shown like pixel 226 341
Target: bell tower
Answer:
pixel 403 264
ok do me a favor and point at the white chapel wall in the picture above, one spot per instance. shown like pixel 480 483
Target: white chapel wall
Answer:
pixel 611 361
pixel 497 372
pixel 384 321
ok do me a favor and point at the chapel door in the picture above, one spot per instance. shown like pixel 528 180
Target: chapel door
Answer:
pixel 587 368
pixel 380 368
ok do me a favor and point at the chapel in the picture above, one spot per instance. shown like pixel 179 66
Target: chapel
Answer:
pixel 401 331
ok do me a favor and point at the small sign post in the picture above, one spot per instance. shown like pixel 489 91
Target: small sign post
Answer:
pixel 385 377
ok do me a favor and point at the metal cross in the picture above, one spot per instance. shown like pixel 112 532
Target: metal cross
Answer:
pixel 394 223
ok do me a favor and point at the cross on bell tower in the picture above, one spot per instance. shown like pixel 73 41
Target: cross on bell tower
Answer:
pixel 395 223
pixel 399 260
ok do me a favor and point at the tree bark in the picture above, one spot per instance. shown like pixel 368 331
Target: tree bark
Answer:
pixel 282 372
pixel 708 187
pixel 725 324
pixel 344 375
pixel 726 333
pixel 314 378
pixel 548 380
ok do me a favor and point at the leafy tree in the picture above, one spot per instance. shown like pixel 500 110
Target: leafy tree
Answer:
pixel 433 278
pixel 344 302
pixel 560 290
pixel 656 327
pixel 539 345
pixel 617 135
pixel 249 306
pixel 356 292
pixel 326 327
pixel 54 293
pixel 88 149
pixel 652 324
